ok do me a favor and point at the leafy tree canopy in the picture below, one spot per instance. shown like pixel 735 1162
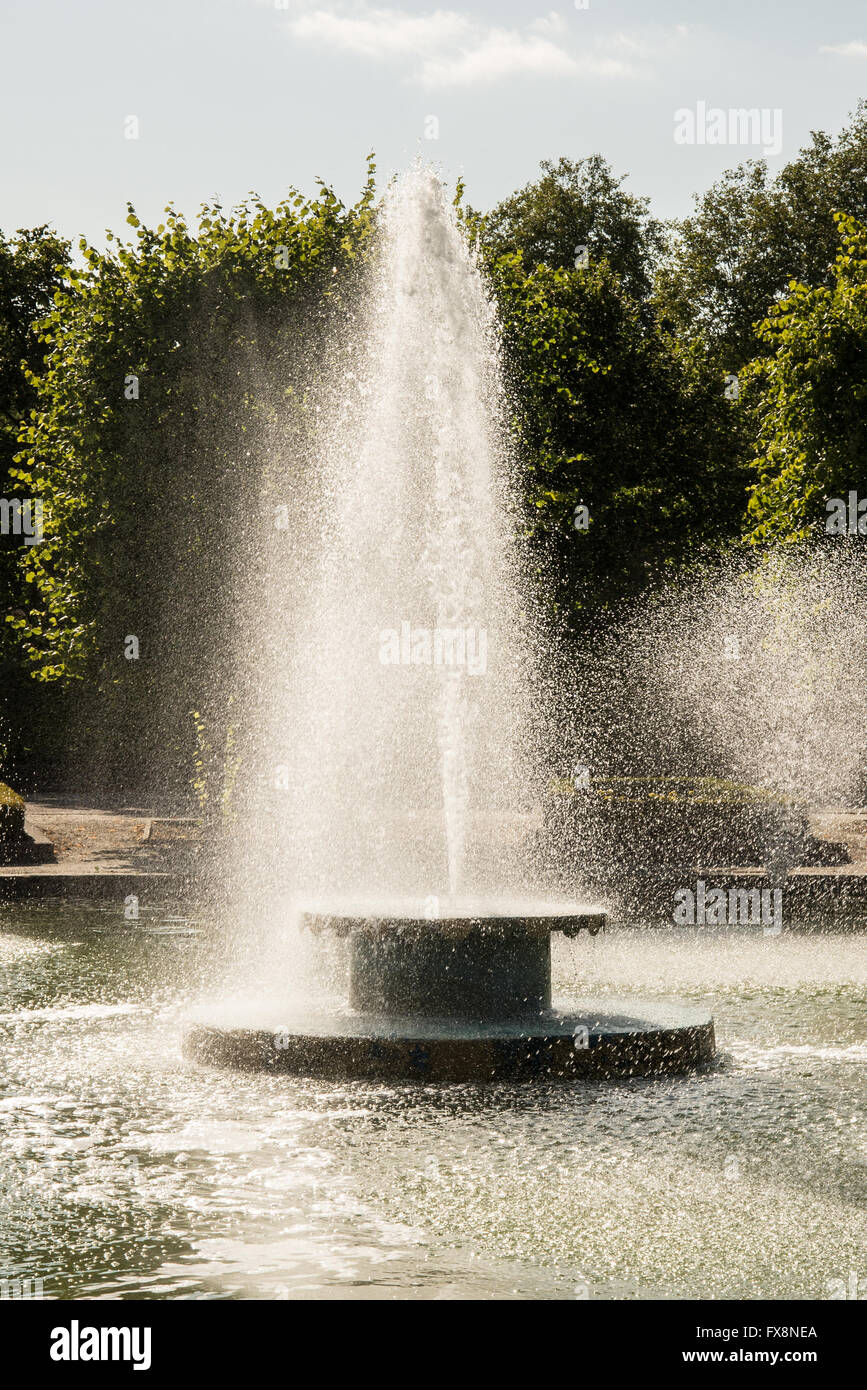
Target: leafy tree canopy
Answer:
pixel 614 415
pixel 751 235
pixel 577 203
pixel 32 264
pixel 173 401
pixel 808 397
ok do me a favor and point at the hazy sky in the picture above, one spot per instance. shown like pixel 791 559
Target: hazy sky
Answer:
pixel 234 95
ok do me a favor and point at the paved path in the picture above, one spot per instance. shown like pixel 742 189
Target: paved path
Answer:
pixel 96 841
pixel 101 846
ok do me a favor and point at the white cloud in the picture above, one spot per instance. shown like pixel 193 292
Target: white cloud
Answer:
pixel 499 53
pixel 377 33
pixel 551 23
pixel 445 48
pixel 855 48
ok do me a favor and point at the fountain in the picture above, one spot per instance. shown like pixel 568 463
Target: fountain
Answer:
pixel 404 704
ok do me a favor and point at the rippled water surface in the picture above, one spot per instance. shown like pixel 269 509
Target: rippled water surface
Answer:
pixel 127 1172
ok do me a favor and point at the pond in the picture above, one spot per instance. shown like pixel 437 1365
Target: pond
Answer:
pixel 130 1173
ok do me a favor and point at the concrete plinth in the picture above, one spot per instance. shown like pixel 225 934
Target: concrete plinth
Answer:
pixel 488 972
pixel 465 997
pixel 597 1043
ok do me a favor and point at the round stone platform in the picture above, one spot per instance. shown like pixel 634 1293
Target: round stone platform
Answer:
pixel 460 992
pixel 599 1041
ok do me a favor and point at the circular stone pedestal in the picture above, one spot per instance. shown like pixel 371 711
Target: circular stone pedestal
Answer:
pixel 595 1043
pixel 465 996
pixel 471 961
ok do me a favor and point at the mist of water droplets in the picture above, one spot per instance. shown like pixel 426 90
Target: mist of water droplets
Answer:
pixel 392 690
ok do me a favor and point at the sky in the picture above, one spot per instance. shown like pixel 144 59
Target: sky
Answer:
pixel 157 101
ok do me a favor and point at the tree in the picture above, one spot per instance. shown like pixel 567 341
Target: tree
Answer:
pixel 31 271
pixel 616 416
pixel 808 399
pixel 169 419
pixel 32 263
pixel 750 235
pixel 577 204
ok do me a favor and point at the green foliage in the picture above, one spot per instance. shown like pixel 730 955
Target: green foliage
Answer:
pixel 577 204
pixel 160 396
pixel 31 271
pixel 175 392
pixel 808 396
pixel 32 265
pixel 615 414
pixel 11 814
pixel 751 235
pixel 190 315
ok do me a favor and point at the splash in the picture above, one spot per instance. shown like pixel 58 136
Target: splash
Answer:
pixel 761 665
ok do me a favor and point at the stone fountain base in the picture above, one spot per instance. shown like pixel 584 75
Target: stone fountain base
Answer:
pixel 465 997
pixel 592 1044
